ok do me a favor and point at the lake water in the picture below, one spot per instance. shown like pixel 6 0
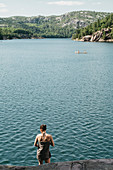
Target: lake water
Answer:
pixel 44 81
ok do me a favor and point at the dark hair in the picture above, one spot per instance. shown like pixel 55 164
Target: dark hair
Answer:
pixel 43 127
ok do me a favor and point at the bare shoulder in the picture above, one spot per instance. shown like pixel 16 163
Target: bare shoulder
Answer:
pixel 38 136
pixel 49 136
pixel 51 139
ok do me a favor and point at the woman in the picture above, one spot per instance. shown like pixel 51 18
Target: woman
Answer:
pixel 43 141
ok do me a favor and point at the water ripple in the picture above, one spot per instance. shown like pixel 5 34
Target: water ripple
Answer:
pixel 73 95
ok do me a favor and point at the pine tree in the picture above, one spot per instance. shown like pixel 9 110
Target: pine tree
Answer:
pixel 104 35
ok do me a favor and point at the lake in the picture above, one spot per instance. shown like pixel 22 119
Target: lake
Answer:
pixel 44 82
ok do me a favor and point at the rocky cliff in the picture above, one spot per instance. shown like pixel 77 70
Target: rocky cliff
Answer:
pixel 99 36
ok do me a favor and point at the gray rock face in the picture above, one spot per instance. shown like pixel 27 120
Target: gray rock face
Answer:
pixel 87 38
pixel 99 164
pixel 98 36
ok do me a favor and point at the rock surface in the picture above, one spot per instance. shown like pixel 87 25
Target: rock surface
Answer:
pixel 98 164
pixel 98 36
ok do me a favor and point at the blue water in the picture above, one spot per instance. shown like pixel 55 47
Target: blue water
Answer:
pixel 44 81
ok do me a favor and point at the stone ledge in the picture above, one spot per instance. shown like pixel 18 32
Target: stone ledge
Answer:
pixel 97 164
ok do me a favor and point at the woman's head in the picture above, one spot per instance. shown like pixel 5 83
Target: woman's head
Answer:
pixel 43 128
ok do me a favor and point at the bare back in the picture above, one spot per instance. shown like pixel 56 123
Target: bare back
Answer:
pixel 44 138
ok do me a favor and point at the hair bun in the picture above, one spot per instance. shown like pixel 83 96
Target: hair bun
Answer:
pixel 43 127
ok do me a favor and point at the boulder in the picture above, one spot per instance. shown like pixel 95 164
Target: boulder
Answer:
pixel 87 38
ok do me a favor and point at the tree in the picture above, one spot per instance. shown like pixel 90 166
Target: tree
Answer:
pixel 104 35
pixel 94 26
pixel 111 34
pixel 98 24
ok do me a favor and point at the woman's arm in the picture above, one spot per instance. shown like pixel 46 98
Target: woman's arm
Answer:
pixel 52 142
pixel 36 141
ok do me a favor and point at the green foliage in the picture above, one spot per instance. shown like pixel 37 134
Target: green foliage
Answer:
pixel 106 22
pixel 104 35
pixel 111 34
pixel 63 26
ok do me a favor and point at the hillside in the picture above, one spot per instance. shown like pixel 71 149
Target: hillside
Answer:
pixel 62 26
pixel 101 30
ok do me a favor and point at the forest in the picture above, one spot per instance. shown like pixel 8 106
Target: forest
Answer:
pixel 70 25
pixel 106 22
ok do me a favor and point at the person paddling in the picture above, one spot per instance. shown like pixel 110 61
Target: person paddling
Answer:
pixel 43 141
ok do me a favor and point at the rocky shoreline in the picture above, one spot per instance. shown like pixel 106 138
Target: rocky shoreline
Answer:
pixel 98 36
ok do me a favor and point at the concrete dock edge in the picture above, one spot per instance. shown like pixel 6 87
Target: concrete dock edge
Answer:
pixel 97 164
